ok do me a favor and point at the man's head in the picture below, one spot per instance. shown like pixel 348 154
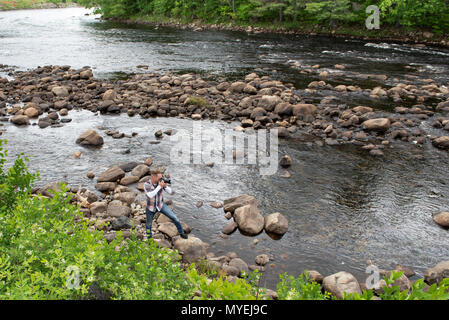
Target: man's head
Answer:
pixel 156 176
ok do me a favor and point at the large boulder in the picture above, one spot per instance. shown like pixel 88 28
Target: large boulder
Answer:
pixel 105 186
pixel 98 207
pixel 140 171
pixel 441 142
pixel 20 120
pixel 129 180
pixel 169 229
pixel 241 265
pixel 120 223
pixel 269 102
pixel 229 228
pixel 437 273
pixel 126 197
pixel 339 283
pixel 111 175
pixel 302 111
pixel 117 209
pixel 379 124
pixel 276 223
pixel 230 204
pixel 249 219
pixel 191 249
pixel 90 138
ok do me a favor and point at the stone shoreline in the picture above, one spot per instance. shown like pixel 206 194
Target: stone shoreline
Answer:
pixel 417 37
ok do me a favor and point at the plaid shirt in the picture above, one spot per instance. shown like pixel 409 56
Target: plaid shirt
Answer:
pixel 156 202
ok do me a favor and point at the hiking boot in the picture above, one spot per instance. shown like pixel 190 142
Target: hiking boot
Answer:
pixel 184 236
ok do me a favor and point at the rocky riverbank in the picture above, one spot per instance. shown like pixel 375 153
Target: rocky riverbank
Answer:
pixel 402 36
pixel 44 97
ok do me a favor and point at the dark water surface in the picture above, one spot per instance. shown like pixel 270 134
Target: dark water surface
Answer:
pixel 343 206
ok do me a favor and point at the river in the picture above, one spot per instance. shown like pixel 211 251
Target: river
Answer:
pixel 343 206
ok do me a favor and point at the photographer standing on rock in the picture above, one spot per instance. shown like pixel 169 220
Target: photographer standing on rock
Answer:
pixel 155 202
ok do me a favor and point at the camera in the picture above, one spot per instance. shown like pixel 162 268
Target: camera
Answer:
pixel 166 180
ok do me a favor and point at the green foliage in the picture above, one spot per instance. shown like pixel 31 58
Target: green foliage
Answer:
pixel 300 288
pixel 14 182
pixel 431 14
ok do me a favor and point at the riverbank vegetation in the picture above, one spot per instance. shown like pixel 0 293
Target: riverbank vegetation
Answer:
pixel 431 15
pixel 31 4
pixel 48 251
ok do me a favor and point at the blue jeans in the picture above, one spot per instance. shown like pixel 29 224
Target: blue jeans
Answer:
pixel 165 211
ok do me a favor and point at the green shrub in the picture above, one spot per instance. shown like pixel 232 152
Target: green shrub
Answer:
pixel 299 288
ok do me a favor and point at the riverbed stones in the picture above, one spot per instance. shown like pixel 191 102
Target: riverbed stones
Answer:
pixel 98 207
pixel 90 138
pixel 437 273
pixel 276 223
pixel 111 175
pixel 249 219
pixel 86 74
pixel 441 142
pixel 20 120
pixel 241 266
pixel 230 204
pixel 105 186
pixel 125 181
pixel 191 249
pixel 31 112
pixel 229 228
pixel 342 282
pixel 121 223
pixel 117 209
pixel 109 95
pixel 379 124
pixel 262 259
pixel 140 171
pixel 168 228
pixel 60 91
pixel 126 197
pixel 442 219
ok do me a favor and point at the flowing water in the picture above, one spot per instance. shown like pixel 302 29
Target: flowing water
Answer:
pixel 343 206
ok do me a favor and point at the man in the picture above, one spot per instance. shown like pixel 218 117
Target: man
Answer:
pixel 155 202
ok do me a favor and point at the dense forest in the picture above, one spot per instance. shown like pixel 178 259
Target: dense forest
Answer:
pixel 413 14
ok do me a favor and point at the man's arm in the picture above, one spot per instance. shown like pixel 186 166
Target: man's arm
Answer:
pixel 168 189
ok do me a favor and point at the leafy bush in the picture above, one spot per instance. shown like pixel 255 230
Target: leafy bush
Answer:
pixel 299 288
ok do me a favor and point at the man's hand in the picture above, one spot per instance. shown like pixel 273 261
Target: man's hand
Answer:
pixel 162 184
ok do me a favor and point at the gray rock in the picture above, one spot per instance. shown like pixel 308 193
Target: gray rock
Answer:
pixel 229 228
pixel 120 223
pixel 339 283
pixel 98 207
pixel 437 273
pixel 140 171
pixel 90 138
pixel 105 186
pixel 20 120
pixel 229 205
pixel 249 219
pixel 240 265
pixel 117 209
pixel 111 175
pixel 191 249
